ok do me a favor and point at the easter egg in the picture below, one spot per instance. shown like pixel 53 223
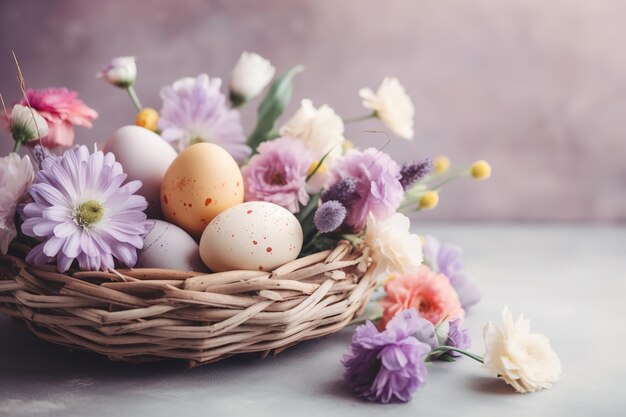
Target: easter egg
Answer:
pixel 203 181
pixel 170 247
pixel 255 236
pixel 145 156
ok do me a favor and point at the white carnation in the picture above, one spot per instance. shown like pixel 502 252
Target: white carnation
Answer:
pixel 394 249
pixel 392 105
pixel 525 360
pixel 251 75
pixel 16 175
pixel 320 129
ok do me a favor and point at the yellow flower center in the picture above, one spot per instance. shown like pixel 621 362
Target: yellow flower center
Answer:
pixel 89 213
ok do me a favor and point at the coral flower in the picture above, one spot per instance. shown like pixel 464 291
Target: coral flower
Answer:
pixel 63 110
pixel 427 292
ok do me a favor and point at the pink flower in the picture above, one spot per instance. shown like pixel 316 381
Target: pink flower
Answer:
pixel 377 185
pixel 427 292
pixel 62 109
pixel 277 174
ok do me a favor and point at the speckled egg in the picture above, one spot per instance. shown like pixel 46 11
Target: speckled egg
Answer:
pixel 253 236
pixel 170 247
pixel 203 181
pixel 145 156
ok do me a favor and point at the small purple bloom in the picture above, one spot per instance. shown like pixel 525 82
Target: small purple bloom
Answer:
pixel 411 172
pixel 194 110
pixel 446 259
pixel 458 337
pixel 277 174
pixel 344 191
pixel 378 185
pixel 329 216
pixel 389 365
pixel 82 211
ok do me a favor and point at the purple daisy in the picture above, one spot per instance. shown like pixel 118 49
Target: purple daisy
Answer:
pixel 277 174
pixel 82 211
pixel 378 186
pixel 194 110
pixel 389 365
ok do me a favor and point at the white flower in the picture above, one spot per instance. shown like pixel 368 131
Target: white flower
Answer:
pixel 27 125
pixel 394 249
pixel 16 175
pixel 392 105
pixel 525 360
pixel 121 71
pixel 251 75
pixel 320 129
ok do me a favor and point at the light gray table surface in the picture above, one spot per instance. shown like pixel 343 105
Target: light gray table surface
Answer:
pixel 569 280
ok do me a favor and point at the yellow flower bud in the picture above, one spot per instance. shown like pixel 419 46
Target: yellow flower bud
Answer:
pixel 147 118
pixel 389 278
pixel 441 164
pixel 480 170
pixel 429 200
pixel 321 170
pixel 346 145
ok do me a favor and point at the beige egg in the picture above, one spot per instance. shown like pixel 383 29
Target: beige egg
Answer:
pixel 203 181
pixel 253 236
pixel 145 156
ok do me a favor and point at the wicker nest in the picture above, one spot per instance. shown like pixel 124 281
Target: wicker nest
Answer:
pixel 149 314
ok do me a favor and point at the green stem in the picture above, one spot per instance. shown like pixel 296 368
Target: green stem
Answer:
pixel 358 119
pixel 443 349
pixel 16 147
pixel 134 98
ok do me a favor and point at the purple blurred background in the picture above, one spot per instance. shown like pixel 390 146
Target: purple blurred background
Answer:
pixel 536 88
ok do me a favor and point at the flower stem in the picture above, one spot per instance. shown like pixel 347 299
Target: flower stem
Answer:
pixel 443 349
pixel 16 147
pixel 134 98
pixel 358 119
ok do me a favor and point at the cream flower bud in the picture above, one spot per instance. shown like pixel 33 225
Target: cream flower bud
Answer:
pixel 27 125
pixel 392 106
pixel 251 75
pixel 121 71
pixel 320 129
pixel 524 360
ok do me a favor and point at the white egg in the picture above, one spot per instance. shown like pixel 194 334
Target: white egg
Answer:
pixel 145 156
pixel 170 247
pixel 253 236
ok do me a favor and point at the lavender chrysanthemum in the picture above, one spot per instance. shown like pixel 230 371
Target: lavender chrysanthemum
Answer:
pixel 377 185
pixel 82 211
pixel 329 216
pixel 343 191
pixel 387 366
pixel 194 110
pixel 411 172
pixel 446 259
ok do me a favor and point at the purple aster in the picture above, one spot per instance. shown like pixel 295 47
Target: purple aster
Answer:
pixel 82 211
pixel 277 174
pixel 411 172
pixel 329 216
pixel 446 259
pixel 194 110
pixel 377 185
pixel 389 365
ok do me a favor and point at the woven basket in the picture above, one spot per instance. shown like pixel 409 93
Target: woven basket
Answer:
pixel 149 314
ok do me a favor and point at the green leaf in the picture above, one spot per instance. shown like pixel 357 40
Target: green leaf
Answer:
pixel 272 107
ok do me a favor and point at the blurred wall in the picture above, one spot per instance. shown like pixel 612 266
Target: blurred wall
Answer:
pixel 537 88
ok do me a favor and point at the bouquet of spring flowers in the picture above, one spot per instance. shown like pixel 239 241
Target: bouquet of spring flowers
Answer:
pixel 226 200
